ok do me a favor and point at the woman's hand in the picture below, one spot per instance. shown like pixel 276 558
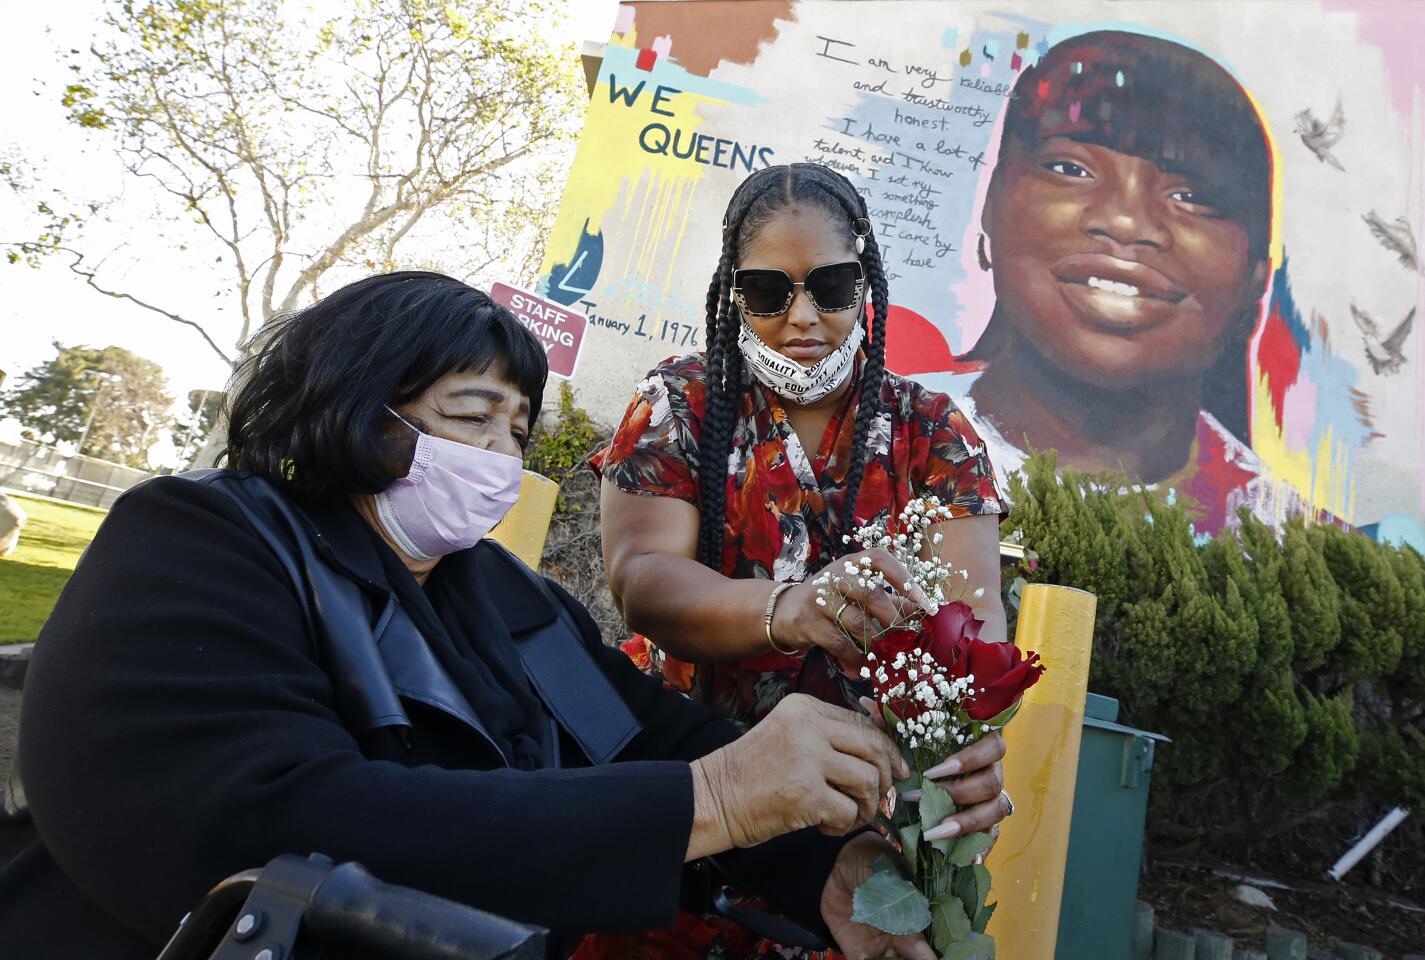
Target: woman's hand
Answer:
pixel 807 764
pixel 974 779
pixel 857 940
pixel 863 611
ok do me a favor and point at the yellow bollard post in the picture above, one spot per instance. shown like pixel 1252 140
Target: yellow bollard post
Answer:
pixel 1041 767
pixel 524 528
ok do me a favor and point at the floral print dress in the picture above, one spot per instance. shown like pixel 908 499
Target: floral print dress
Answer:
pixel 785 504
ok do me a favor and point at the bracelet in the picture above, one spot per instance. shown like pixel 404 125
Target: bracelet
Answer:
pixel 777 592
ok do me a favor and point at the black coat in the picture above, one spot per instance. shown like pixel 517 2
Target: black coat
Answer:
pixel 178 728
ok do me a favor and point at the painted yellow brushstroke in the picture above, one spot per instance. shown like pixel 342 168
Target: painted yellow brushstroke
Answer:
pixel 1274 246
pixel 609 143
pixel 688 189
pixel 1322 477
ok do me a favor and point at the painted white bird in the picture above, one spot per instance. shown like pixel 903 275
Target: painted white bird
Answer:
pixel 1385 355
pixel 1320 137
pixel 1396 237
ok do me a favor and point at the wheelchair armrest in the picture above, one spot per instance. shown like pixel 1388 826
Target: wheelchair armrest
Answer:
pixel 294 902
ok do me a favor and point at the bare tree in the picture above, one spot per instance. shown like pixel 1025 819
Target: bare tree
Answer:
pixel 308 151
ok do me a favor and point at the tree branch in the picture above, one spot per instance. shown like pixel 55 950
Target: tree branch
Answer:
pixel 89 278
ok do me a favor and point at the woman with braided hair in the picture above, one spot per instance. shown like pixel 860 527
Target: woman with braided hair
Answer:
pixel 735 476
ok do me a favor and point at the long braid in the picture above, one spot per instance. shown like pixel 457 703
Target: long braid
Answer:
pixel 868 407
pixel 724 370
pixel 752 204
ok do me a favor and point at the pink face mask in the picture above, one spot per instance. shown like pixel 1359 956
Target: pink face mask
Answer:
pixel 452 497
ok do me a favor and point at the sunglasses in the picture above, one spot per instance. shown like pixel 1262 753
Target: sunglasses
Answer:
pixel 831 288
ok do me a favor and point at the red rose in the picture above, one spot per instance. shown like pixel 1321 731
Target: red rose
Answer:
pixel 952 627
pixel 887 648
pixel 1002 673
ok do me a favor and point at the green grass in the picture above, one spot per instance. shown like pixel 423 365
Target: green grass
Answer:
pixel 31 578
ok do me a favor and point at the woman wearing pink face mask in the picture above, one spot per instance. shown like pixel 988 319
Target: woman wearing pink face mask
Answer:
pixel 315 650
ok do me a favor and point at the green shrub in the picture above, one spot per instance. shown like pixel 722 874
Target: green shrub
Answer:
pixel 1288 666
pixel 561 444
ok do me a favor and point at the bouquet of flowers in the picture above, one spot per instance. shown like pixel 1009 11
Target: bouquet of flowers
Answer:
pixel 940 689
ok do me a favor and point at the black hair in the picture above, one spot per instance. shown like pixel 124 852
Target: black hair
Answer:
pixel 753 204
pixel 308 406
pixel 1176 107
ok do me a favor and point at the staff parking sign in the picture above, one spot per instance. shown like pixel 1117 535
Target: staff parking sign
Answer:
pixel 561 331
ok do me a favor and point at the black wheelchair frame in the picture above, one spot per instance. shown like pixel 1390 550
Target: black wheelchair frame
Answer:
pixel 304 909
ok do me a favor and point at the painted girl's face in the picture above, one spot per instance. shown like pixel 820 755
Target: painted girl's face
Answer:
pixel 1117 271
pixel 796 239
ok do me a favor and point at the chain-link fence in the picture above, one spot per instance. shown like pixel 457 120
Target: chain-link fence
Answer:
pixel 38 468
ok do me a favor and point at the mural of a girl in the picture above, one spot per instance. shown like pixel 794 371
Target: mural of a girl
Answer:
pixel 1127 225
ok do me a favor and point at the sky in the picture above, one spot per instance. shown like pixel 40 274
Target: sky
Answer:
pixel 38 306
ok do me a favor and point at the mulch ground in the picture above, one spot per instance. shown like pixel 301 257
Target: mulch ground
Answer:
pixel 1188 894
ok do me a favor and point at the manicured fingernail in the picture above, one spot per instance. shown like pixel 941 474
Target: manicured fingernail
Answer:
pixel 943 830
pixel 902 770
pixel 910 796
pixel 868 705
pixel 920 597
pixel 946 768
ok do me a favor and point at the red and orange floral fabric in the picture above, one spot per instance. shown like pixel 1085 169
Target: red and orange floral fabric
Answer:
pixel 784 505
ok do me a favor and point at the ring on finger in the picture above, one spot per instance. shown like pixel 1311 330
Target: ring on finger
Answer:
pixel 845 632
pixel 1008 803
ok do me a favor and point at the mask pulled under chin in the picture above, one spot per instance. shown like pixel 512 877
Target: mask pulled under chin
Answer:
pixel 789 379
pixel 452 497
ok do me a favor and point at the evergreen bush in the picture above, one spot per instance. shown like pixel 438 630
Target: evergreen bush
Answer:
pixel 1287 666
pixel 561 444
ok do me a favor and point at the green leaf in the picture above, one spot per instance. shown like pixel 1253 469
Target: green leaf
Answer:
pixel 891 720
pixel 911 782
pixel 982 919
pixel 949 922
pixel 890 903
pixel 976 947
pixel 935 806
pixel 910 840
pixel 968 847
pixel 1004 716
pixel 888 862
pixel 972 885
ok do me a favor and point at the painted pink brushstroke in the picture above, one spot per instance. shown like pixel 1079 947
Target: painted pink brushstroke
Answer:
pixel 1395 27
pixel 1299 413
pixel 623 23
pixel 662 45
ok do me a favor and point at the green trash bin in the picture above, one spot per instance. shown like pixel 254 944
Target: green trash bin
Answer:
pixel 1096 915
